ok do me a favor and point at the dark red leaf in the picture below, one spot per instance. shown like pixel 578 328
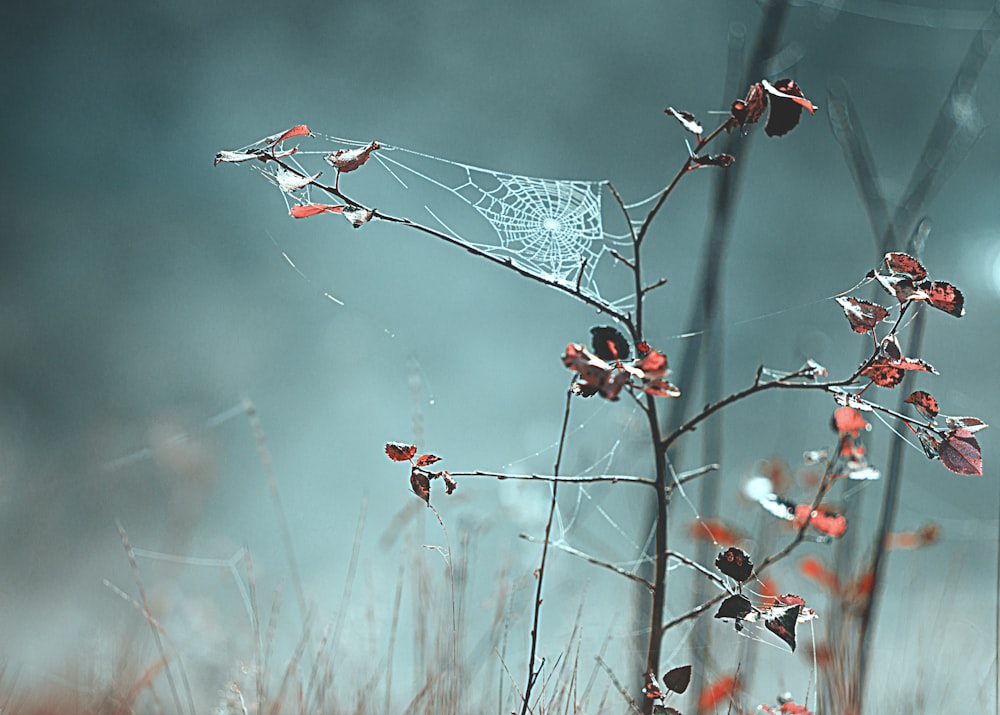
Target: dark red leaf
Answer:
pixel 654 364
pixel 786 106
pixel 970 424
pixel 750 110
pixel 862 314
pixel 450 485
pixel 350 159
pixel 687 120
pixel 944 296
pixel 736 607
pixel 608 343
pixel 924 403
pixel 905 263
pixel 960 452
pixel 677 679
pixel 425 460
pixel 400 452
pixel 784 626
pixel 735 563
pixel 421 485
pixel 883 374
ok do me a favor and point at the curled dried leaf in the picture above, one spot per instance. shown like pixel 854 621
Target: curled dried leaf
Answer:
pixel 307 210
pixel 687 120
pixel 346 160
pixel 400 451
pixel 863 315
pixel 924 403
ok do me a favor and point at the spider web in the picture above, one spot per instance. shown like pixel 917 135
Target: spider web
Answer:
pixel 553 229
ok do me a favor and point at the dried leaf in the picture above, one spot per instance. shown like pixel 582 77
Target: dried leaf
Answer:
pixel 421 485
pixel 677 679
pixel 784 626
pixel 400 451
pixel 358 215
pixel 960 452
pixel 425 460
pixel 687 120
pixel 787 103
pixel 735 563
pixel 924 403
pixel 661 388
pixel 944 296
pixel 654 364
pixel 307 210
pixel 905 263
pixel 450 485
pixel 290 181
pixel 969 424
pixel 862 314
pixel 346 160
pixel 609 343
pixel 751 109
pixel 736 607
pixel 778 506
pixel 299 130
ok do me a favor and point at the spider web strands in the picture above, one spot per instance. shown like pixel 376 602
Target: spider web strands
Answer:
pixel 553 229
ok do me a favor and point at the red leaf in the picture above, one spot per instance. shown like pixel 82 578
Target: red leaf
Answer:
pixel 862 314
pixel 654 364
pixel 400 452
pixel 749 110
pixel 450 485
pixel 735 563
pixel 970 424
pixel 350 159
pixel 307 210
pixel 944 296
pixel 421 485
pixel 883 374
pixel 924 403
pixel 823 521
pixel 687 120
pixel 960 452
pixel 848 419
pixel 298 130
pixel 677 679
pixel 425 460
pixel 905 263
pixel 719 690
pixel 661 388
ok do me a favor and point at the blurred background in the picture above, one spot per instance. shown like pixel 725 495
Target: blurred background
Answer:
pixel 145 299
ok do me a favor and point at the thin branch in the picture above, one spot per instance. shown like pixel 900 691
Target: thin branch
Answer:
pixel 532 673
pixel 630 575
pixel 551 478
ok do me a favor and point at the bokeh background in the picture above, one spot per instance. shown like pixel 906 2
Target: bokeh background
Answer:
pixel 145 297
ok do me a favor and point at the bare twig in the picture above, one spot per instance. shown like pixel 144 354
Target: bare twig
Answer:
pixel 596 562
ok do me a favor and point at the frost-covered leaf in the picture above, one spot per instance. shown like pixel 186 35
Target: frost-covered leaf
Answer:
pixel 358 215
pixel 425 460
pixel 236 156
pixel 862 314
pixel 750 109
pixel 346 160
pixel 969 424
pixel 960 452
pixel 735 563
pixel 721 160
pixel 787 102
pixel 450 485
pixel 687 120
pixel 944 296
pixel 924 403
pixel 778 506
pixel 661 388
pixel 847 399
pixel 399 451
pixel 290 181
pixel 307 210
pixel 609 343
pixel 906 264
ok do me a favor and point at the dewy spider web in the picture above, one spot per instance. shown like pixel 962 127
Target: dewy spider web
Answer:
pixel 554 229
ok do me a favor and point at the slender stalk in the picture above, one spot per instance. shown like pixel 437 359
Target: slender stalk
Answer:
pixel 532 673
